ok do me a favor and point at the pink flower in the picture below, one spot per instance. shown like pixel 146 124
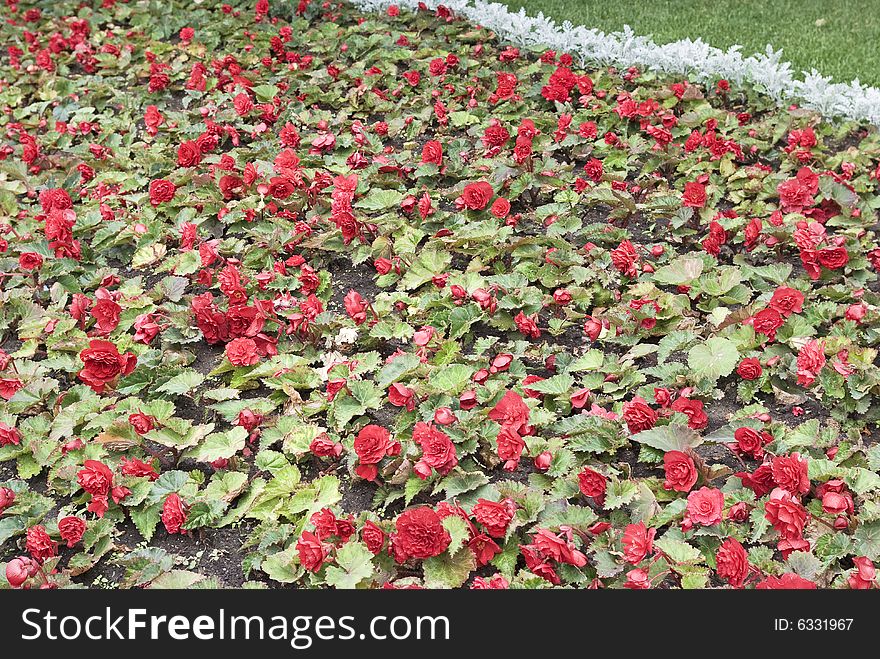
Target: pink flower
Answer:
pixel 704 506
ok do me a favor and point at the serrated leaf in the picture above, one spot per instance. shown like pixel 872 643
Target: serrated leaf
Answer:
pixel 620 493
pixel 682 270
pixel 459 532
pixel 678 550
pixel 398 366
pixel 672 437
pixel 446 571
pixel 715 358
pixel 182 383
pixel 354 563
pixel 451 379
pixel 219 445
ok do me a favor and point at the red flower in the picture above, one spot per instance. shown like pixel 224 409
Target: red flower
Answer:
pixel 7 498
pixel 681 473
pixel 833 258
pixel 694 195
pixel 102 364
pixel 39 545
pixel 324 447
pixel 476 196
pixel 9 435
pixel 592 484
pixel 510 447
pixel 355 307
pixel 786 515
pixel 760 481
pixel 432 152
pixel 810 360
pixel 173 514
pixel 312 552
pixel 106 313
pixel 30 261
pixel 242 352
pixel 864 576
pixel 638 415
pixel 638 542
pixel 787 301
pixel 371 445
pixel 420 534
pixel 138 468
pixel 732 562
pixel 438 451
pixel 188 154
pixel 71 530
pixel 512 412
pixel 18 570
pixel 796 194
pixel 693 410
pixel 373 537
pixel 624 258
pixel 790 473
pixel 527 325
pixel 401 396
pixel 558 548
pixel 704 506
pixel 161 190
pixel 751 442
pixel 141 423
pixel 95 478
pixel 495 517
pixel 637 579
pixel 749 368
pixel 500 208
pixel 767 321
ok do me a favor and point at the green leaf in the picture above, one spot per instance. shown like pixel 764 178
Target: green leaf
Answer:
pixel 366 393
pixel 399 366
pixel 283 566
pixel 458 531
pixel 713 359
pixel 446 571
pixel 620 493
pixel 144 565
pixel 461 318
pixel 555 385
pixel 451 379
pixel 182 383
pixel 176 580
pixel 866 540
pixel 219 445
pixel 672 437
pixel 804 565
pixel 678 550
pixel 379 200
pixel 265 93
pixel 681 271
pixel 354 563
pixel 146 519
pixel 458 482
pixel 861 480
pixel 167 483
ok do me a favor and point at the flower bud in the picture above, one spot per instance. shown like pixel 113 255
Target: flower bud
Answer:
pixel 542 461
pixel 7 498
pixel 444 416
pixel 17 571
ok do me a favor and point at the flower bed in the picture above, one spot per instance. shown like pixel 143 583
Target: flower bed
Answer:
pixel 308 296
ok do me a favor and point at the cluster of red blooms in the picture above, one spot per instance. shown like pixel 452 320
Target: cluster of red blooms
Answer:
pixel 512 413
pixel 241 326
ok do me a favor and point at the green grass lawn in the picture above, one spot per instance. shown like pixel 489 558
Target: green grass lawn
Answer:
pixel 839 38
